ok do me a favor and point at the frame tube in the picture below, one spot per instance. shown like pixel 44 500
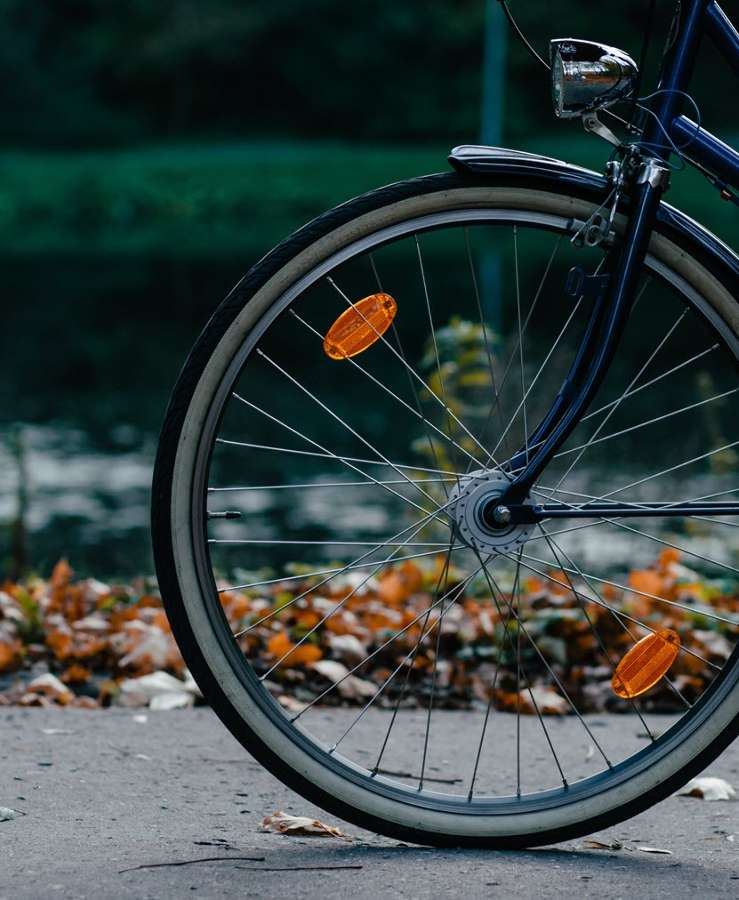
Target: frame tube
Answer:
pixel 723 34
pixel 706 149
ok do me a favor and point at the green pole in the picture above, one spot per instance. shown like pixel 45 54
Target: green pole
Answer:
pixel 491 134
pixel 493 75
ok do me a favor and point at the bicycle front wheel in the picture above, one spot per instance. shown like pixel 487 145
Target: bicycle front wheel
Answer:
pixel 335 595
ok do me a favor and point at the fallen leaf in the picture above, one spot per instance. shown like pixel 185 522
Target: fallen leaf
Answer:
pixel 172 700
pixel 301 825
pixel 48 685
pixel 159 690
pixel 291 704
pixel 592 844
pixel 546 699
pixel 655 850
pixel 708 787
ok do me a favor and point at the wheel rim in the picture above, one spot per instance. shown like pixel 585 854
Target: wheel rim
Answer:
pixel 484 804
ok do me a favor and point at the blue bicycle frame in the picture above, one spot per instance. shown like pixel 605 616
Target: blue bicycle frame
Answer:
pixel 699 18
pixel 667 129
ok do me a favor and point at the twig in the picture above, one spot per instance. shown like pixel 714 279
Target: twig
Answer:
pixel 425 778
pixel 189 862
pixel 294 868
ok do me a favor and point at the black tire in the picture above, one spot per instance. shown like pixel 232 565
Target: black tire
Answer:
pixel 678 762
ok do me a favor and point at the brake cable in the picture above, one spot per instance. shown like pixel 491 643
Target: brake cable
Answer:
pixel 521 36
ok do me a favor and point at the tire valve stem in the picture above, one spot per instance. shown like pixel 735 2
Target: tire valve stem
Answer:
pixel 226 514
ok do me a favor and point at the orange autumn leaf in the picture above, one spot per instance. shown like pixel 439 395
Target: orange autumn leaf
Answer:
pixel 560 585
pixel 304 655
pixel 412 575
pixel 76 674
pixel 280 646
pixel 646 580
pixel 668 556
pixel 307 619
pixel 60 644
pixel 392 587
pixel 339 624
pixel 9 655
pixel 61 575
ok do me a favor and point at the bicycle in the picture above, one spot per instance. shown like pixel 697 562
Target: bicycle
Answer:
pixel 609 300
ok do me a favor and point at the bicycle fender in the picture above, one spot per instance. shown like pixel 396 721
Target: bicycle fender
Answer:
pixel 540 170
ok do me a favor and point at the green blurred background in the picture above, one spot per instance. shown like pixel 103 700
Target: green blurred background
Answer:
pixel 150 153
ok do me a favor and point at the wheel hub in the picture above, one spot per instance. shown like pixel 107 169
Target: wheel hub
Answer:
pixel 468 499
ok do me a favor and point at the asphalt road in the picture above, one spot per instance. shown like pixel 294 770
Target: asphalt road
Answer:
pixel 103 793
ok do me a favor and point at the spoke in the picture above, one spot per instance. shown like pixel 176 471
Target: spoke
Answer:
pixel 433 681
pixel 384 387
pixel 653 537
pixel 647 478
pixel 590 497
pixel 517 594
pixel 520 345
pixel 335 456
pixel 673 603
pixel 271 541
pixel 407 661
pixel 520 625
pixel 556 550
pixel 414 527
pixel 435 345
pixel 338 419
pixel 674 468
pixel 324 450
pixel 618 402
pixel 602 520
pixel 541 369
pixel 491 366
pixel 411 382
pixel 615 434
pixel 305 575
pixel 620 612
pixel 382 646
pixel 322 484
pixel 331 612
pixel 408 367
pixel 652 381
pixel 619 620
pixel 506 634
pixel 514 352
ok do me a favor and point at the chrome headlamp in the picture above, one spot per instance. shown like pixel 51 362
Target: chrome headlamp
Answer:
pixel 587 76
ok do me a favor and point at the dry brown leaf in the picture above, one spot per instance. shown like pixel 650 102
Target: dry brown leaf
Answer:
pixel 301 826
pixel 592 844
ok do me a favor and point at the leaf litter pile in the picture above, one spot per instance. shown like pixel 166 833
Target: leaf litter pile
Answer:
pixel 83 643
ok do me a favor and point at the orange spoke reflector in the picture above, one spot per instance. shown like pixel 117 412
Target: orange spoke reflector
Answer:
pixel 646 662
pixel 358 327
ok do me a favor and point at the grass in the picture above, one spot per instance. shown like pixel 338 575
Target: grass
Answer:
pixel 224 199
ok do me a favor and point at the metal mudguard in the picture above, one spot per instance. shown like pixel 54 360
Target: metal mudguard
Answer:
pixel 538 169
pixel 475 158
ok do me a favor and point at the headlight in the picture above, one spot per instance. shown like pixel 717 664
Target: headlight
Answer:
pixel 588 76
